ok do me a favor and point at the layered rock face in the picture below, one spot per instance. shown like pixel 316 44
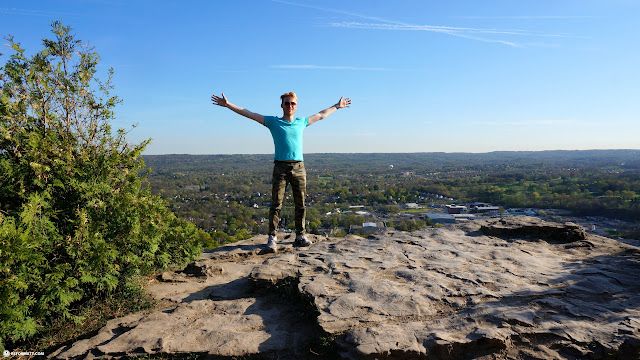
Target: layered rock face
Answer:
pixel 489 289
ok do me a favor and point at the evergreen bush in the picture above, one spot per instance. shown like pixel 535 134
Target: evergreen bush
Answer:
pixel 77 218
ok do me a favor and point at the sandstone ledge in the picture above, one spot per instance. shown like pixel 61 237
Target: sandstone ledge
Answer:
pixel 514 289
pixel 531 227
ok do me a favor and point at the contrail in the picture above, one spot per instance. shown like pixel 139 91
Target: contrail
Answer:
pixel 463 32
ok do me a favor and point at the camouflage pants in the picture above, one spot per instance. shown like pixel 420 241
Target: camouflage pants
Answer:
pixel 285 173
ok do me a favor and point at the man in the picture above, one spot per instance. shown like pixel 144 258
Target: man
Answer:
pixel 288 165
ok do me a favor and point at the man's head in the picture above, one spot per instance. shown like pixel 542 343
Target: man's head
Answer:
pixel 289 102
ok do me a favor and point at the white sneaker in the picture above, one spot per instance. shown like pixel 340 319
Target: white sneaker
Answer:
pixel 301 240
pixel 271 243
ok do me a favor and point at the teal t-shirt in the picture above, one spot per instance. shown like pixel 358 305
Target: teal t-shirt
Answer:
pixel 287 137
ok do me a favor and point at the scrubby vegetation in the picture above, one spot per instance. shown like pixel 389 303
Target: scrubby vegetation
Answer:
pixel 77 219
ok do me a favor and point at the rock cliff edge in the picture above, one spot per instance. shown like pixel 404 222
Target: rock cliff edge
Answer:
pixel 518 288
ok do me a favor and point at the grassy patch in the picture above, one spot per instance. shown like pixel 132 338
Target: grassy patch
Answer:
pixel 421 210
pixel 625 234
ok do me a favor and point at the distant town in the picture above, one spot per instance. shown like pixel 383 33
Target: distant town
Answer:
pixel 228 196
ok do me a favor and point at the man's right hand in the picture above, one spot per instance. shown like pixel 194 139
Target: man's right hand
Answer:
pixel 220 101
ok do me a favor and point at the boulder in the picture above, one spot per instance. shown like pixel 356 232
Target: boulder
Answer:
pixel 531 227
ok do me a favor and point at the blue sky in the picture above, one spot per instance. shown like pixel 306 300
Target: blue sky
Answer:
pixel 454 76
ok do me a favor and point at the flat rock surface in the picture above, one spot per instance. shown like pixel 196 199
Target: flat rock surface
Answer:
pixel 487 289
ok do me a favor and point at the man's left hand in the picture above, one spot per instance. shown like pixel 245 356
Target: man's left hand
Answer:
pixel 342 103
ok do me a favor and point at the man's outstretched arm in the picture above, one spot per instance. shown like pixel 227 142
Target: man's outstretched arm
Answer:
pixel 326 112
pixel 222 101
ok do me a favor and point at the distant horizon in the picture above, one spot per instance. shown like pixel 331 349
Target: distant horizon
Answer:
pixel 405 152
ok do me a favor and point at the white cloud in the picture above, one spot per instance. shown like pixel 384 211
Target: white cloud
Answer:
pixel 29 12
pixel 527 17
pixel 339 12
pixel 322 67
pixel 547 122
pixel 467 33
pixel 445 29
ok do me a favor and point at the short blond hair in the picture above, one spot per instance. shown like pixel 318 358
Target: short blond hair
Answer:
pixel 290 93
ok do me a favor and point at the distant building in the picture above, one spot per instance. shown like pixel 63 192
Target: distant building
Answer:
pixel 486 209
pixel 478 204
pixel 438 218
pixel 456 209
pixel 367 228
pixel 465 217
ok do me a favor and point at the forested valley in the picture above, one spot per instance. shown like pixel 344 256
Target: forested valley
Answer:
pixel 228 196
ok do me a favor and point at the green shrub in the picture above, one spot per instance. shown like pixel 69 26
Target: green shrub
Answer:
pixel 339 233
pixel 77 218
